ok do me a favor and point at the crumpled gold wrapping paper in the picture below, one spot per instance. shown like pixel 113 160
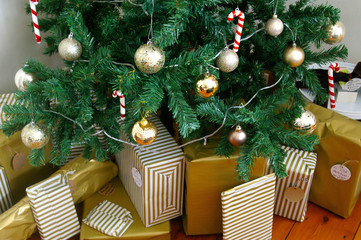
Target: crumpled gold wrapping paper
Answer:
pixel 18 222
pixel 340 143
pixel 207 176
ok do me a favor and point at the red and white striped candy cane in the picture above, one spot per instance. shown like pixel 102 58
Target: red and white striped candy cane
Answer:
pixel 121 101
pixel 34 16
pixel 331 86
pixel 237 13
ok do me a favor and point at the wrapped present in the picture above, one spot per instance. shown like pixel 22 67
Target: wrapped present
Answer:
pixel 53 208
pixel 292 191
pixel 247 210
pixel 89 176
pixel 6 198
pixel 115 192
pixel 153 177
pixel 207 176
pixel 337 179
pixel 5 99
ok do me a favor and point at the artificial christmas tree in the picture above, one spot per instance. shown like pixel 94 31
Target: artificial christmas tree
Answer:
pixel 191 35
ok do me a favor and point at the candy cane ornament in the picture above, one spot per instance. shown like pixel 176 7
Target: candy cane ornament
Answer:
pixel 237 13
pixel 34 17
pixel 121 101
pixel 331 86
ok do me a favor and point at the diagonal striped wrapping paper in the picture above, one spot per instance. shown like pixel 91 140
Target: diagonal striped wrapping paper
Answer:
pixel 154 181
pixel 109 218
pixel 247 210
pixel 53 209
pixel 6 98
pixel 6 198
pixel 300 167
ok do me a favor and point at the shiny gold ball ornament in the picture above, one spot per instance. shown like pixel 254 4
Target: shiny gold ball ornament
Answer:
pixel 144 132
pixel 335 33
pixel 70 49
pixel 306 123
pixel 274 26
pixel 35 135
pixel 22 79
pixel 293 55
pixel 227 60
pixel 207 85
pixel 149 58
pixel 237 137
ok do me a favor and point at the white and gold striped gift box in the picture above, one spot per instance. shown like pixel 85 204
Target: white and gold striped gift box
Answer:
pixel 53 209
pixel 247 210
pixel 6 98
pixel 109 218
pixel 154 181
pixel 6 198
pixel 292 191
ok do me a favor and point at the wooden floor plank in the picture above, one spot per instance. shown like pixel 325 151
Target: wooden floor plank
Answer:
pixel 281 227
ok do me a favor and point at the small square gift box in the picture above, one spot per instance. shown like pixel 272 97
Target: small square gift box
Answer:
pixel 292 191
pixel 53 208
pixel 6 198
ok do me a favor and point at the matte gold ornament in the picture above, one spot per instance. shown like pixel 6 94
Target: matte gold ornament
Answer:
pixel 274 26
pixel 149 58
pixel 335 33
pixel 70 49
pixel 237 137
pixel 22 79
pixel 207 85
pixel 35 135
pixel 293 55
pixel 307 122
pixel 144 132
pixel 227 60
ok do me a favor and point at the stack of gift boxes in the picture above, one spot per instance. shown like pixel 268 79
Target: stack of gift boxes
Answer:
pixel 160 182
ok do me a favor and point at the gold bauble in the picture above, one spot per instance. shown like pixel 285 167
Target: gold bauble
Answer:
pixel 69 49
pixel 335 33
pixel 274 26
pixel 149 58
pixel 207 85
pixel 22 79
pixel 237 137
pixel 144 132
pixel 306 123
pixel 293 55
pixel 227 60
pixel 35 135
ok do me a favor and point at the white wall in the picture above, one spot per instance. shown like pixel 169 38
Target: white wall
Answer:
pixel 17 42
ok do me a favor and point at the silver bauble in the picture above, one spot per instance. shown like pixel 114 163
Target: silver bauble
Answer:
pixel 227 60
pixel 293 55
pixel 335 33
pixel 207 85
pixel 237 137
pixel 144 132
pixel 22 79
pixel 149 58
pixel 307 122
pixel 69 49
pixel 35 135
pixel 274 26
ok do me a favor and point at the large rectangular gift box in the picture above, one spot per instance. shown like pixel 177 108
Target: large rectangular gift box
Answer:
pixel 116 193
pixel 153 177
pixel 292 191
pixel 6 197
pixel 337 182
pixel 207 176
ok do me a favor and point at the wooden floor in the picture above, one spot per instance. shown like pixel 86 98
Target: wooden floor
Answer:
pixel 318 225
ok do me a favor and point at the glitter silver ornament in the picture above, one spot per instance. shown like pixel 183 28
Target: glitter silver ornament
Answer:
pixel 207 85
pixel 22 79
pixel 307 122
pixel 35 135
pixel 227 60
pixel 274 26
pixel 144 132
pixel 69 49
pixel 293 55
pixel 335 33
pixel 237 137
pixel 149 58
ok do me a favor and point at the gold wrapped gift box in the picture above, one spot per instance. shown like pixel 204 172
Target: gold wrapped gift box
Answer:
pixel 136 231
pixel 339 144
pixel 207 176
